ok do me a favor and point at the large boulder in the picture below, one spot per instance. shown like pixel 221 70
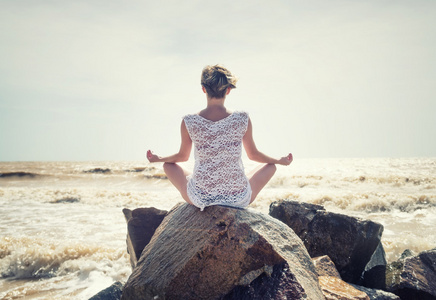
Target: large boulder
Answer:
pixel 413 277
pixel 223 253
pixel 141 225
pixel 350 242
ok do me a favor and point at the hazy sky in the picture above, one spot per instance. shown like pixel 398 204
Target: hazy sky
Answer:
pixel 106 80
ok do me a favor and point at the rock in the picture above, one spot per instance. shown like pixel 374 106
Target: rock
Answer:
pixel 66 200
pixel 214 254
pixel 375 294
pixel 296 215
pixel 349 242
pixel 413 277
pixel 18 174
pixel 98 171
pixel 113 292
pixel 141 225
pixel 279 285
pixel 374 275
pixel 337 289
pixel 325 267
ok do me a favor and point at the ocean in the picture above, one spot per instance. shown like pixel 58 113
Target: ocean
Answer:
pixel 63 233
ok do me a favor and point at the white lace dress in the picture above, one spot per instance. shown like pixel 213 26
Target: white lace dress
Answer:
pixel 218 177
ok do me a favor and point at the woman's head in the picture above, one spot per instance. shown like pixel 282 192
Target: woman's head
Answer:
pixel 216 80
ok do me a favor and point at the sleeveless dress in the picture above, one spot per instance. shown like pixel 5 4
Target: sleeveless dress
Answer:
pixel 218 177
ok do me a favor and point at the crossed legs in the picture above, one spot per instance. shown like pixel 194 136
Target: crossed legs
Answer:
pixel 177 175
pixel 258 178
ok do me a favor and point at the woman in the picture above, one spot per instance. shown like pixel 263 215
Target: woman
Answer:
pixel 218 135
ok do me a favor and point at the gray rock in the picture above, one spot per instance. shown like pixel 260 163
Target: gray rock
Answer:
pixel 214 254
pixel 374 275
pixel 141 225
pixel 113 292
pixel 413 277
pixel 350 242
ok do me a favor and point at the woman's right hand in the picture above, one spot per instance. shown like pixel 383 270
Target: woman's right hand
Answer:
pixel 152 157
pixel 286 160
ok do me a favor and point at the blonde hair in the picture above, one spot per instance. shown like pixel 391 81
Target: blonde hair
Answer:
pixel 216 79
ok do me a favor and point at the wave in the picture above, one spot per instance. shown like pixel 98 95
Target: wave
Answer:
pixel 24 258
pixel 98 171
pixel 375 202
pixel 66 200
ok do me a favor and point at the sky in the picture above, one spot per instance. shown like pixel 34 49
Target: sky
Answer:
pixel 107 80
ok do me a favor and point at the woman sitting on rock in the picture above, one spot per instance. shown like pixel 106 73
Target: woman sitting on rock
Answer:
pixel 218 135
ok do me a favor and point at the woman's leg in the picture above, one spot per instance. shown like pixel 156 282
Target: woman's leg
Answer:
pixel 177 175
pixel 259 178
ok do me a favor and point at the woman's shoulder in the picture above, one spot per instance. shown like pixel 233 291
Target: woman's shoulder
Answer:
pixel 241 114
pixel 188 117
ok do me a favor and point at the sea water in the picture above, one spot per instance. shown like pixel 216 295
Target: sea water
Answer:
pixel 62 230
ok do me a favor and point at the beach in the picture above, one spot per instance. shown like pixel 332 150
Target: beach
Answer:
pixel 62 230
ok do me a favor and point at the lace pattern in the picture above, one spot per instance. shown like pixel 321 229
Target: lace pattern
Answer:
pixel 218 177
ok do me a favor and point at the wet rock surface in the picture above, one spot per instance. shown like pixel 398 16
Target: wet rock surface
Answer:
pixel 349 242
pixel 223 253
pixel 413 277
pixel 141 225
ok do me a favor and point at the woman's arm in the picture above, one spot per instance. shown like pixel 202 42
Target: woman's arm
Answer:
pixel 256 155
pixel 182 155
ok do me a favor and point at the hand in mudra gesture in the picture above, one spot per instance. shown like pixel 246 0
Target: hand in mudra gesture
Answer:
pixel 152 157
pixel 286 160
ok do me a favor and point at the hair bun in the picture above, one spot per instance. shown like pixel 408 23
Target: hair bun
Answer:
pixel 216 79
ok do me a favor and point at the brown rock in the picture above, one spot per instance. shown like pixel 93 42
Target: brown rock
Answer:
pixel 349 242
pixel 337 289
pixel 325 267
pixel 211 254
pixel 413 277
pixel 141 225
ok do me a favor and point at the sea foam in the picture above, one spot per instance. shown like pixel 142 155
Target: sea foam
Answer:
pixel 62 233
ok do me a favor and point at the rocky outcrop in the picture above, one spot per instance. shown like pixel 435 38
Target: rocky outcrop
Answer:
pixel 223 253
pixel 338 289
pixel 413 277
pixel 113 292
pixel 141 225
pixel 350 242
pixel 98 171
pixel 18 174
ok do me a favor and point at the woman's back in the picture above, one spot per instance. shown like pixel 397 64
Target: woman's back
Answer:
pixel 218 176
pixel 218 136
